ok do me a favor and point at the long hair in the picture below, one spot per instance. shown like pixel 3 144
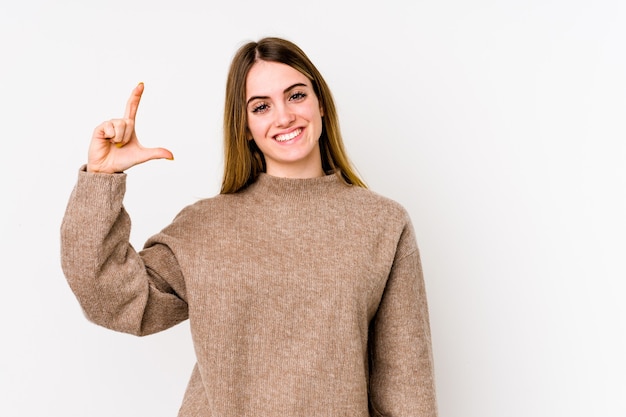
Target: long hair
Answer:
pixel 243 160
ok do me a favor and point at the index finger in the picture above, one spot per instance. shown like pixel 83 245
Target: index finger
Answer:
pixel 133 102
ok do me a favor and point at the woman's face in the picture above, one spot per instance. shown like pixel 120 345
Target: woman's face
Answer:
pixel 285 120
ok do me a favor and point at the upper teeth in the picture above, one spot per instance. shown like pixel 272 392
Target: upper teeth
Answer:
pixel 288 136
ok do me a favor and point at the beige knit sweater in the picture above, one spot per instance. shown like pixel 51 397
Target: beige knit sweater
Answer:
pixel 305 297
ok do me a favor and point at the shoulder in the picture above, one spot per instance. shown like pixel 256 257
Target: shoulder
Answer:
pixel 203 213
pixel 380 215
pixel 370 201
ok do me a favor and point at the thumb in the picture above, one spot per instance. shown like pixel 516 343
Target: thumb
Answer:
pixel 149 154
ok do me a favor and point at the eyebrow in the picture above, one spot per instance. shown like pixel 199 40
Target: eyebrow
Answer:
pixel 291 87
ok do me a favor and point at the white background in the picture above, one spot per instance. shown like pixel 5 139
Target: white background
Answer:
pixel 498 124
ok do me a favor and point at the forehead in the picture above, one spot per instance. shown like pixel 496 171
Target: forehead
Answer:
pixel 268 78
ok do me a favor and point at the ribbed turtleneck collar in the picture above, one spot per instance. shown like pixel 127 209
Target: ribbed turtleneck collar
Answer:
pixel 296 187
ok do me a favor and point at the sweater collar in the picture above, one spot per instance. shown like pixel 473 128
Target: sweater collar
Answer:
pixel 293 187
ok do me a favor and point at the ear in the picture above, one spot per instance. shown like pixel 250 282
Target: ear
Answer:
pixel 321 111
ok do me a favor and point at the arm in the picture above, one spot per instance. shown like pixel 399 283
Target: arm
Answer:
pixel 401 363
pixel 114 286
pixel 112 283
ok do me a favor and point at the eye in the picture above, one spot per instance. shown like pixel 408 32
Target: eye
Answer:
pixel 297 96
pixel 259 107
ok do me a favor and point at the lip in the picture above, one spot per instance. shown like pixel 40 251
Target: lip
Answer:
pixel 300 130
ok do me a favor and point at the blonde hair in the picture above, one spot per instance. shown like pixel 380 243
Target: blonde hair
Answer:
pixel 243 160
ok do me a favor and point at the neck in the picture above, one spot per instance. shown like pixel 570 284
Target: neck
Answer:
pixel 296 172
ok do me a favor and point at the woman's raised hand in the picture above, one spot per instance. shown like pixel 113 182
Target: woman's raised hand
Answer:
pixel 114 146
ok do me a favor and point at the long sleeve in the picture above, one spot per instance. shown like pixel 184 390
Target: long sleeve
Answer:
pixel 113 285
pixel 401 363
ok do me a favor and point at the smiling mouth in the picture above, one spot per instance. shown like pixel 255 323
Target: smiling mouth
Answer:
pixel 288 136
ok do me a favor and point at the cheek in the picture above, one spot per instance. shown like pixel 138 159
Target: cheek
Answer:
pixel 254 129
pixel 319 120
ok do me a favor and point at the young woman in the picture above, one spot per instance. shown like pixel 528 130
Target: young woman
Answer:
pixel 304 289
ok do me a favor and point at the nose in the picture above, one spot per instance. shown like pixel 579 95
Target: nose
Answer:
pixel 284 116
